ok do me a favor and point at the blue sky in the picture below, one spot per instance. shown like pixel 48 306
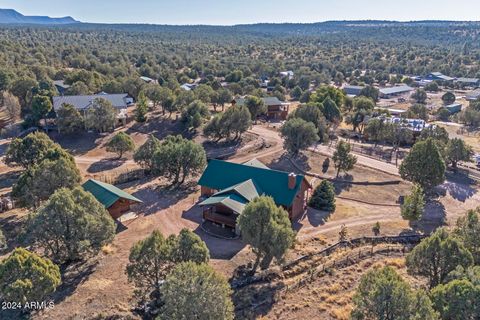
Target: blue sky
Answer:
pixel 226 12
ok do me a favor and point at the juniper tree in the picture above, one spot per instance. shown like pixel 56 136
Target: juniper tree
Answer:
pixel 26 277
pixel 120 144
pixel 414 204
pixel 267 229
pixel 196 291
pixel 71 225
pixel 343 160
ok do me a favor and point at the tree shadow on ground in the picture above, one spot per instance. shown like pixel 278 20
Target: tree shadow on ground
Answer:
pixel 220 248
pixel 315 218
pixel 7 179
pixel 77 144
pixel 255 301
pixel 159 126
pixel 343 183
pixel 284 163
pixel 156 198
pixel 73 275
pixel 3 148
pixel 459 186
pixel 222 149
pixel 434 217
pixel 12 228
pixel 105 165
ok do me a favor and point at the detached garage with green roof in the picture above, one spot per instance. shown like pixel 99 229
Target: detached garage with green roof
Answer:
pixel 115 200
pixel 228 187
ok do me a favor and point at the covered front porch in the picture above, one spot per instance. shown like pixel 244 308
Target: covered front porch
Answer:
pixel 223 210
pixel 222 218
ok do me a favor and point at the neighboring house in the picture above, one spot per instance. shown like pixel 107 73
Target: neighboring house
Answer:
pixel 231 186
pixel 387 93
pixel 61 86
pixel 437 76
pixel 415 125
pixel 454 108
pixel 287 74
pixel 469 82
pixel 118 101
pixel 116 201
pixel 473 96
pixel 148 80
pixel 393 112
pixel 353 91
pixel 188 86
pixel 82 103
pixel 276 109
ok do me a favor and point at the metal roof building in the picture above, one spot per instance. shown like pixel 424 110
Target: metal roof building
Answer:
pixel 472 96
pixel 438 76
pixel 269 101
pixel 115 200
pixel 394 91
pixel 118 101
pixel 353 90
pixel 471 82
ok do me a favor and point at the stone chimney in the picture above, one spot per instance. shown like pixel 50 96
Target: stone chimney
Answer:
pixel 292 181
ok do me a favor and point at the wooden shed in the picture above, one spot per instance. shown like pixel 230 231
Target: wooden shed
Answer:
pixel 116 201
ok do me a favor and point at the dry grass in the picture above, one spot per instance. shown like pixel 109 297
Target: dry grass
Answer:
pixel 330 296
pixel 342 313
pixel 108 249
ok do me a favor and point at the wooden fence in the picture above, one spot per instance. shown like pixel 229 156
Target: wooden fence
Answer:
pixel 268 275
pixel 124 176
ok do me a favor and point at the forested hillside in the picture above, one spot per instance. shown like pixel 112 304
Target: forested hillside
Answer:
pixel 110 58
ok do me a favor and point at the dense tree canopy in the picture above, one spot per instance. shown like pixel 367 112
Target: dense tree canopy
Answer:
pixel 438 255
pixel 195 291
pixel 267 229
pixel 153 258
pixel 299 135
pixel 144 154
pixel 71 225
pixel 178 158
pixel 26 277
pixel 383 295
pixel 424 165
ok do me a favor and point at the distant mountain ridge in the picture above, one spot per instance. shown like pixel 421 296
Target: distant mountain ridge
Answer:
pixel 10 16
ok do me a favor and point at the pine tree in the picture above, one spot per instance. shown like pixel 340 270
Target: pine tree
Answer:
pixel 414 204
pixel 343 160
pixel 323 197
pixel 141 108
pixel 424 165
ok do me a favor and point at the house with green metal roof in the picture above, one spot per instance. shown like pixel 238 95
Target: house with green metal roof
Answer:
pixel 115 200
pixel 228 187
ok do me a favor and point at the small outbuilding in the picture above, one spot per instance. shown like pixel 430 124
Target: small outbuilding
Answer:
pixel 454 108
pixel 116 201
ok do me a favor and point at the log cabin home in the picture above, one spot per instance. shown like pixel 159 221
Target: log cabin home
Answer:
pixel 276 109
pixel 116 201
pixel 226 188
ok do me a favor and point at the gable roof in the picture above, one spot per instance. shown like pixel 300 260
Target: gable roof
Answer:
pixel 247 189
pixel 221 175
pixel 107 194
pixel 255 163
pixel 269 101
pixel 395 90
pixel 231 201
pixel 474 95
pixel 118 101
pixel 61 84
